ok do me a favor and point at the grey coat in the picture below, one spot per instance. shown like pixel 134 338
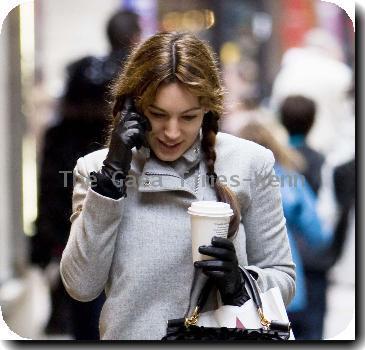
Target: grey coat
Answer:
pixel 138 248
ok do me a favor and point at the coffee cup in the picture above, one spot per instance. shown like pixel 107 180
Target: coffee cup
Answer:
pixel 208 219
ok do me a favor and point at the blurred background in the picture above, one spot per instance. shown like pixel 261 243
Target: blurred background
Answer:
pixel 285 64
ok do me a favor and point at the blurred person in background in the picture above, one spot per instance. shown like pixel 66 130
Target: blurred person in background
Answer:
pixel 299 203
pixel 317 71
pixel 297 113
pixel 336 204
pixel 327 201
pixel 344 181
pixel 342 253
pixel 78 130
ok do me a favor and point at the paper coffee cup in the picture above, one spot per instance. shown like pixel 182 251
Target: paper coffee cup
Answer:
pixel 208 219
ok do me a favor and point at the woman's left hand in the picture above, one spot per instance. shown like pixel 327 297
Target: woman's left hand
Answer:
pixel 224 271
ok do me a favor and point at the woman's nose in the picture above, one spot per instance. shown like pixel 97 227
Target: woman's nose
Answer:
pixel 172 130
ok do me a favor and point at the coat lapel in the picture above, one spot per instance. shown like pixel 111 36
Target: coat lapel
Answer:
pixel 159 176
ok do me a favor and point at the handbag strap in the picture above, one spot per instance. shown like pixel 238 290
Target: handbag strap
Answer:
pixel 203 296
pixel 249 282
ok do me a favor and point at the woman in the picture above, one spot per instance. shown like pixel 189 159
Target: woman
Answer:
pixel 130 229
pixel 303 223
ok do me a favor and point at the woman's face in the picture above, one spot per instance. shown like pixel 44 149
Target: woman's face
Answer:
pixel 176 118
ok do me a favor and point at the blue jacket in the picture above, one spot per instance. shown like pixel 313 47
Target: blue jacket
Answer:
pixel 299 204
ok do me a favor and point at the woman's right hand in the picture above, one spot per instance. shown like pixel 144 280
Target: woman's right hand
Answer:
pixel 128 133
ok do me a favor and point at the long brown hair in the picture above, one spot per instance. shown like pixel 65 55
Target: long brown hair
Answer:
pixel 179 57
pixel 288 158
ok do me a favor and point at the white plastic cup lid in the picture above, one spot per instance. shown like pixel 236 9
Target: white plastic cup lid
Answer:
pixel 210 208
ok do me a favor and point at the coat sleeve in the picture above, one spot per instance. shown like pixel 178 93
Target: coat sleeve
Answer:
pixel 267 244
pixel 88 255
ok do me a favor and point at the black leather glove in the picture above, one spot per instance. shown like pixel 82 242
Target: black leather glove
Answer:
pixel 224 271
pixel 129 133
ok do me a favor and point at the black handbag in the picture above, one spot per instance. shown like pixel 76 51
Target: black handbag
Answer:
pixel 185 329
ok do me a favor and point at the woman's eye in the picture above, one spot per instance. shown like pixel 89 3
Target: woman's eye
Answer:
pixel 157 115
pixel 189 117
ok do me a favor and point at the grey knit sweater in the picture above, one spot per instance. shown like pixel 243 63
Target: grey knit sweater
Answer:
pixel 138 248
